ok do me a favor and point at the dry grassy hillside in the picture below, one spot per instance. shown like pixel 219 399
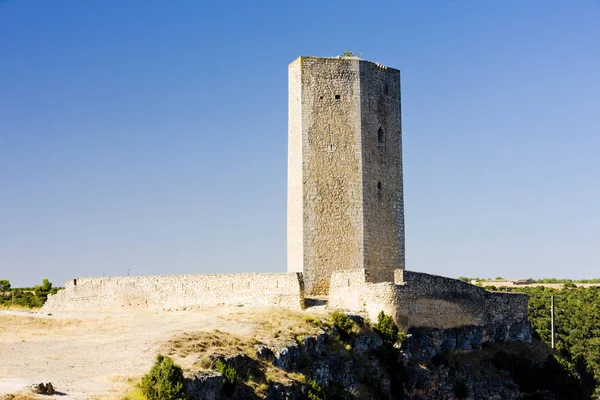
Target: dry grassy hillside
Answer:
pixel 87 355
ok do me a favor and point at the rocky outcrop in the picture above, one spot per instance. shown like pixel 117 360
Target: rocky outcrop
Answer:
pixel 204 386
pixel 361 364
pixel 43 388
pixel 428 343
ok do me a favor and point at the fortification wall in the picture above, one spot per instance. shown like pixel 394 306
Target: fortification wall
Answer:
pixel 417 300
pixel 179 291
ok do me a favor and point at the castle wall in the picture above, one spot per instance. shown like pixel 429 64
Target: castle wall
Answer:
pixel 382 171
pixel 417 300
pixel 179 291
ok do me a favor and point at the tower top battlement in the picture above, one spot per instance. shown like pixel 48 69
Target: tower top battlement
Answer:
pixel 342 58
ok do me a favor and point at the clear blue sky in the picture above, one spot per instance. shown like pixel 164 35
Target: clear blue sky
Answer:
pixel 152 135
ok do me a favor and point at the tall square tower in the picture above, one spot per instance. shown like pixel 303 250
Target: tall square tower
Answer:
pixel 345 196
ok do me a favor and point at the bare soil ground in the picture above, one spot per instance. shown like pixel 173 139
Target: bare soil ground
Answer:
pixel 98 355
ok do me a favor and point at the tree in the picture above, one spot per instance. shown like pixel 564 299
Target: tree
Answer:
pixel 4 285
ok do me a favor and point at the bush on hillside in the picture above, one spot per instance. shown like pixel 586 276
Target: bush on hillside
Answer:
pixel 343 323
pixel 230 376
pixel 387 329
pixel 164 381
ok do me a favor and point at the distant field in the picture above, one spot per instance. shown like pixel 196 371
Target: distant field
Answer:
pixel 548 285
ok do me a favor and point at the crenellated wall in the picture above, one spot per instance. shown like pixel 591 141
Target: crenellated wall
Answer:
pixel 417 300
pixel 179 291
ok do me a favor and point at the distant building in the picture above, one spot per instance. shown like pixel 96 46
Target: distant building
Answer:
pixel 522 281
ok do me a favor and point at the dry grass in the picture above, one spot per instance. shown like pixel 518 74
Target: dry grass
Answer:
pixel 24 326
pixel 34 326
pixel 280 325
pixel 201 342
pixel 18 396
pixel 267 328
pixel 134 394
pixel 16 307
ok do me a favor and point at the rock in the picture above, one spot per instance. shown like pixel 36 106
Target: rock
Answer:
pixel 50 389
pixel 204 386
pixel 314 345
pixel 242 363
pixel 449 341
pixel 278 391
pixel 357 319
pixel 366 342
pixel 264 353
pixel 41 388
pixel 287 357
pixel 321 373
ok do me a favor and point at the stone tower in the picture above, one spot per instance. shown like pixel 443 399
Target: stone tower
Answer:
pixel 345 201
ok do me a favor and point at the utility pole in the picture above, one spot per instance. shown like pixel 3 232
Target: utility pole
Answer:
pixel 128 271
pixel 552 319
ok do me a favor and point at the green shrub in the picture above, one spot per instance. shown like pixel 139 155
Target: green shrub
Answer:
pixel 164 381
pixel 229 374
pixel 388 330
pixel 342 322
pixel 313 391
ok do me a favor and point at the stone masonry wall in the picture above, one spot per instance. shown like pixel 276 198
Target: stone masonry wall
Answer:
pixel 382 171
pixel 417 300
pixel 179 291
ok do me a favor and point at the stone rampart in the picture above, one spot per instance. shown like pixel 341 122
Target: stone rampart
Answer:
pixel 179 291
pixel 417 300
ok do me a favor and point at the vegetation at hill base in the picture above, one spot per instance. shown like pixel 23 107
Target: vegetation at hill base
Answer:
pixel 33 297
pixel 577 325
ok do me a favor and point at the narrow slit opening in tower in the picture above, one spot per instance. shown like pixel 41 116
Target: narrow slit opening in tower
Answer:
pixel 380 137
pixel 386 89
pixel 378 185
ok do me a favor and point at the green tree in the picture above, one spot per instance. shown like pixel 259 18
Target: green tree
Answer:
pixel 4 285
pixel 387 329
pixel 577 320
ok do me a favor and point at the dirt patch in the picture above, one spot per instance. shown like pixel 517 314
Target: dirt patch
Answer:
pixel 97 355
